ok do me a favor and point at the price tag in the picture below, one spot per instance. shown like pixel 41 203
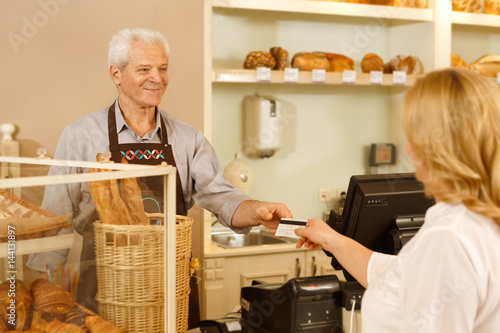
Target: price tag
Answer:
pixel 348 76
pixel 263 74
pixel 318 75
pixel 291 75
pixel 399 78
pixel 376 77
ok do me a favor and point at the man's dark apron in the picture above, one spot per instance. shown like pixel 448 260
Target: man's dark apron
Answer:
pixel 152 188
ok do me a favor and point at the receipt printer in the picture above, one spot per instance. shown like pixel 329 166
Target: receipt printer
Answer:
pixel 309 304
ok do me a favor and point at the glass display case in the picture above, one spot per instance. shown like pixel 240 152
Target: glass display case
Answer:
pixel 59 215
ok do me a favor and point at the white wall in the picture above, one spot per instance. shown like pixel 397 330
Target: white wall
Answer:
pixel 53 63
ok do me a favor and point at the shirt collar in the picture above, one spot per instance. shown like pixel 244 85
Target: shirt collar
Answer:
pixel 121 125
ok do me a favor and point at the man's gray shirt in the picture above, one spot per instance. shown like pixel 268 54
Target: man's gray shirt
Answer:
pixel 197 164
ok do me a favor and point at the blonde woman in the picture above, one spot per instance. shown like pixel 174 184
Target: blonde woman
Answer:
pixel 446 279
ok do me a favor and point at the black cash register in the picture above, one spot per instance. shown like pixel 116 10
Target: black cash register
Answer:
pixel 310 304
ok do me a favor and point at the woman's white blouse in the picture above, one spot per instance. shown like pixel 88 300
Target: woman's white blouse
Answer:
pixel 445 279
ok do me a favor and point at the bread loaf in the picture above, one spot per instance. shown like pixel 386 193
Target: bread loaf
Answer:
pixel 307 61
pixel 488 65
pixel 259 59
pixel 372 62
pixel 281 56
pixel 331 62
pixel 339 62
pixel 456 61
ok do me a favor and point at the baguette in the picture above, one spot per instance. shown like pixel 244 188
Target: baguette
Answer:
pixel 132 198
pixel 101 194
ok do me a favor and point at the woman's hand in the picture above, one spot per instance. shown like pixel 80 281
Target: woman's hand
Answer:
pixel 316 235
pixel 350 254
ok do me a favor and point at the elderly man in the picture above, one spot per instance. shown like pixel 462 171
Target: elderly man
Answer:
pixel 138 65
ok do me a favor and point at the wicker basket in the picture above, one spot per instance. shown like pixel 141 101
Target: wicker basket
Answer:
pixel 130 277
pixel 492 7
pixel 468 6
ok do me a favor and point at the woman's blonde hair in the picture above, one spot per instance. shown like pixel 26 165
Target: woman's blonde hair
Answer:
pixel 452 122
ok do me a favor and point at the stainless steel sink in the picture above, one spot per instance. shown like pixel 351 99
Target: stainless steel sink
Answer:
pixel 229 239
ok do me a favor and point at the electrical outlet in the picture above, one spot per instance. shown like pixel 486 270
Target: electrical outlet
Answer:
pixel 341 193
pixel 324 195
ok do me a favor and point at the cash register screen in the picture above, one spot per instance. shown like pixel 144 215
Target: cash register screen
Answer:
pixel 373 203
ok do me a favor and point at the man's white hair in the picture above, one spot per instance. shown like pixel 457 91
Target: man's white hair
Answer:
pixel 119 46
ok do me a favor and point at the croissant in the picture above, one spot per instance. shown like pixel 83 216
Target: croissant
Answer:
pixel 76 317
pixel 97 325
pixel 50 299
pixel 54 326
pixel 22 301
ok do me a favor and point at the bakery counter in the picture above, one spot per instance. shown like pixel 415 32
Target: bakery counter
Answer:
pixel 215 251
pixel 227 270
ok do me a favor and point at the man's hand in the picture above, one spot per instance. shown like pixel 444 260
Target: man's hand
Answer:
pixel 251 213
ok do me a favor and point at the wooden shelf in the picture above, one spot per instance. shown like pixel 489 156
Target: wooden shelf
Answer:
pixel 330 8
pixel 331 78
pixel 39 245
pixel 482 20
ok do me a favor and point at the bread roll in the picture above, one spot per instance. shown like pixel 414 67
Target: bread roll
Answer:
pixel 404 63
pixel 339 62
pixel 488 65
pixel 307 61
pixel 372 62
pixel 456 61
pixel 259 59
pixel 281 56
pixel 97 325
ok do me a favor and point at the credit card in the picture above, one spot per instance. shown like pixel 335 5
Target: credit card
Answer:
pixel 287 226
